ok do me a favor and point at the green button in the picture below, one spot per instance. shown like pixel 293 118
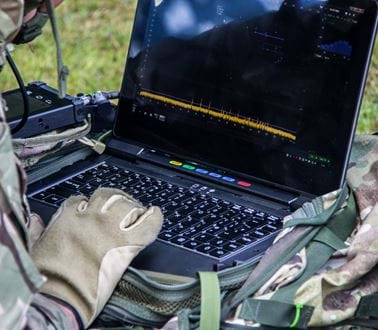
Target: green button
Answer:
pixel 189 167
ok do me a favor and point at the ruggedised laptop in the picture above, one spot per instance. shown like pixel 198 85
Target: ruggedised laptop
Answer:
pixel 233 113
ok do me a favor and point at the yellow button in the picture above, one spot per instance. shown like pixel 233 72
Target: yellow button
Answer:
pixel 175 163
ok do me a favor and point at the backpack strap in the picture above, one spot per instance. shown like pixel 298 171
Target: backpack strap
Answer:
pixel 323 217
pixel 210 301
pixel 276 313
pixel 329 239
pixel 62 69
pixel 282 251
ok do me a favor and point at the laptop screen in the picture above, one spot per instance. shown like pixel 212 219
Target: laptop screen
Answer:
pixel 267 88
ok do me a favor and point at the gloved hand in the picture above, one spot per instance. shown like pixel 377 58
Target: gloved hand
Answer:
pixel 89 244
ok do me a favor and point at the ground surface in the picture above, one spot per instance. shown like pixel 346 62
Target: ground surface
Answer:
pixel 96 35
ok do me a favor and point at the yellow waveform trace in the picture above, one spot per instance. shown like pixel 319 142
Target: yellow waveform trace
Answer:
pixel 220 115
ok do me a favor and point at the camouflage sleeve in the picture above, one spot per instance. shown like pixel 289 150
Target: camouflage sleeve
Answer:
pixel 21 307
pixel 46 313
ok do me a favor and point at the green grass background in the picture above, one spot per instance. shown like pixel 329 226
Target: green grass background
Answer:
pixel 95 38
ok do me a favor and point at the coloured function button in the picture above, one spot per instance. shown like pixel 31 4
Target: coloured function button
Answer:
pixel 215 175
pixel 244 184
pixel 228 179
pixel 175 163
pixel 189 167
pixel 202 171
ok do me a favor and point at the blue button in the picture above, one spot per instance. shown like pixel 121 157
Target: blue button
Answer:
pixel 201 171
pixel 228 179
pixel 215 175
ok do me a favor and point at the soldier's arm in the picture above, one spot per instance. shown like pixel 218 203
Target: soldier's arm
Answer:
pixel 48 313
pixel 16 310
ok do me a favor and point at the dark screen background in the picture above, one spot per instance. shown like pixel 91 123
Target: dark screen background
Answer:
pixel 266 88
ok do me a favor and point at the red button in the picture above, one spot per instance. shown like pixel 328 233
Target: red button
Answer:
pixel 244 184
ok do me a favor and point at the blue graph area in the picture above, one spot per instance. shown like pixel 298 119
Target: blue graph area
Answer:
pixel 339 47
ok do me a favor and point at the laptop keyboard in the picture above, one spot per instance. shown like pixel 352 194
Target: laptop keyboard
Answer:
pixel 193 220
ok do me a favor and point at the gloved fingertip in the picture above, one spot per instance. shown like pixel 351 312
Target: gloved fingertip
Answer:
pixel 74 200
pixel 154 212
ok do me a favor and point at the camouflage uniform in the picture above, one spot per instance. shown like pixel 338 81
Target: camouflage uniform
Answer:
pixel 20 305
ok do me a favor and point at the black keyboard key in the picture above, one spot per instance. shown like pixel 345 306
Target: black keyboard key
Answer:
pixel 205 238
pixel 41 195
pixel 249 211
pixel 192 244
pixel 260 215
pixel 257 234
pixel 226 204
pixel 166 235
pixel 186 210
pixel 175 217
pixel 245 240
pixel 214 229
pixel 179 240
pixel 179 198
pixel 265 231
pixel 241 217
pixel 191 202
pixel 199 213
pixel 167 194
pixel 189 222
pixel 269 228
pixel 54 199
pixel 274 218
pixel 232 246
pixel 81 178
pixel 145 199
pixel 218 253
pixel 71 185
pixel 171 206
pixel 218 241
pixel 229 214
pixel 157 201
pixel 178 229
pixel 204 248
pixel 218 210
pixel 61 191
pixel 168 225
pixel 229 235
pixel 195 229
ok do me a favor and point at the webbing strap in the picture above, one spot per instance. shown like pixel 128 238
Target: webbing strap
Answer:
pixel 324 216
pixel 323 245
pixel 328 237
pixel 254 282
pixel 62 69
pixel 210 301
pixel 368 306
pixel 276 314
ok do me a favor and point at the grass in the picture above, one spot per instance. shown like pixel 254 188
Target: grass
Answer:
pixel 95 38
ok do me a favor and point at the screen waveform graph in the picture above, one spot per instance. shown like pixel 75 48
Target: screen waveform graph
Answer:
pixel 341 47
pixel 243 121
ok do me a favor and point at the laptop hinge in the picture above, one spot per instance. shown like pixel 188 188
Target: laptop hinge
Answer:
pixel 124 150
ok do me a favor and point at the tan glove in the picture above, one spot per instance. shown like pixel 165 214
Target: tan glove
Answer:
pixel 89 244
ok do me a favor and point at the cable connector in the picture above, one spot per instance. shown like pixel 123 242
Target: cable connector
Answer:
pixel 96 104
pixel 98 98
pixel 96 145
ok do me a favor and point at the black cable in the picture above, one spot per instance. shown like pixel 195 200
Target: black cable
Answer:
pixel 24 93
